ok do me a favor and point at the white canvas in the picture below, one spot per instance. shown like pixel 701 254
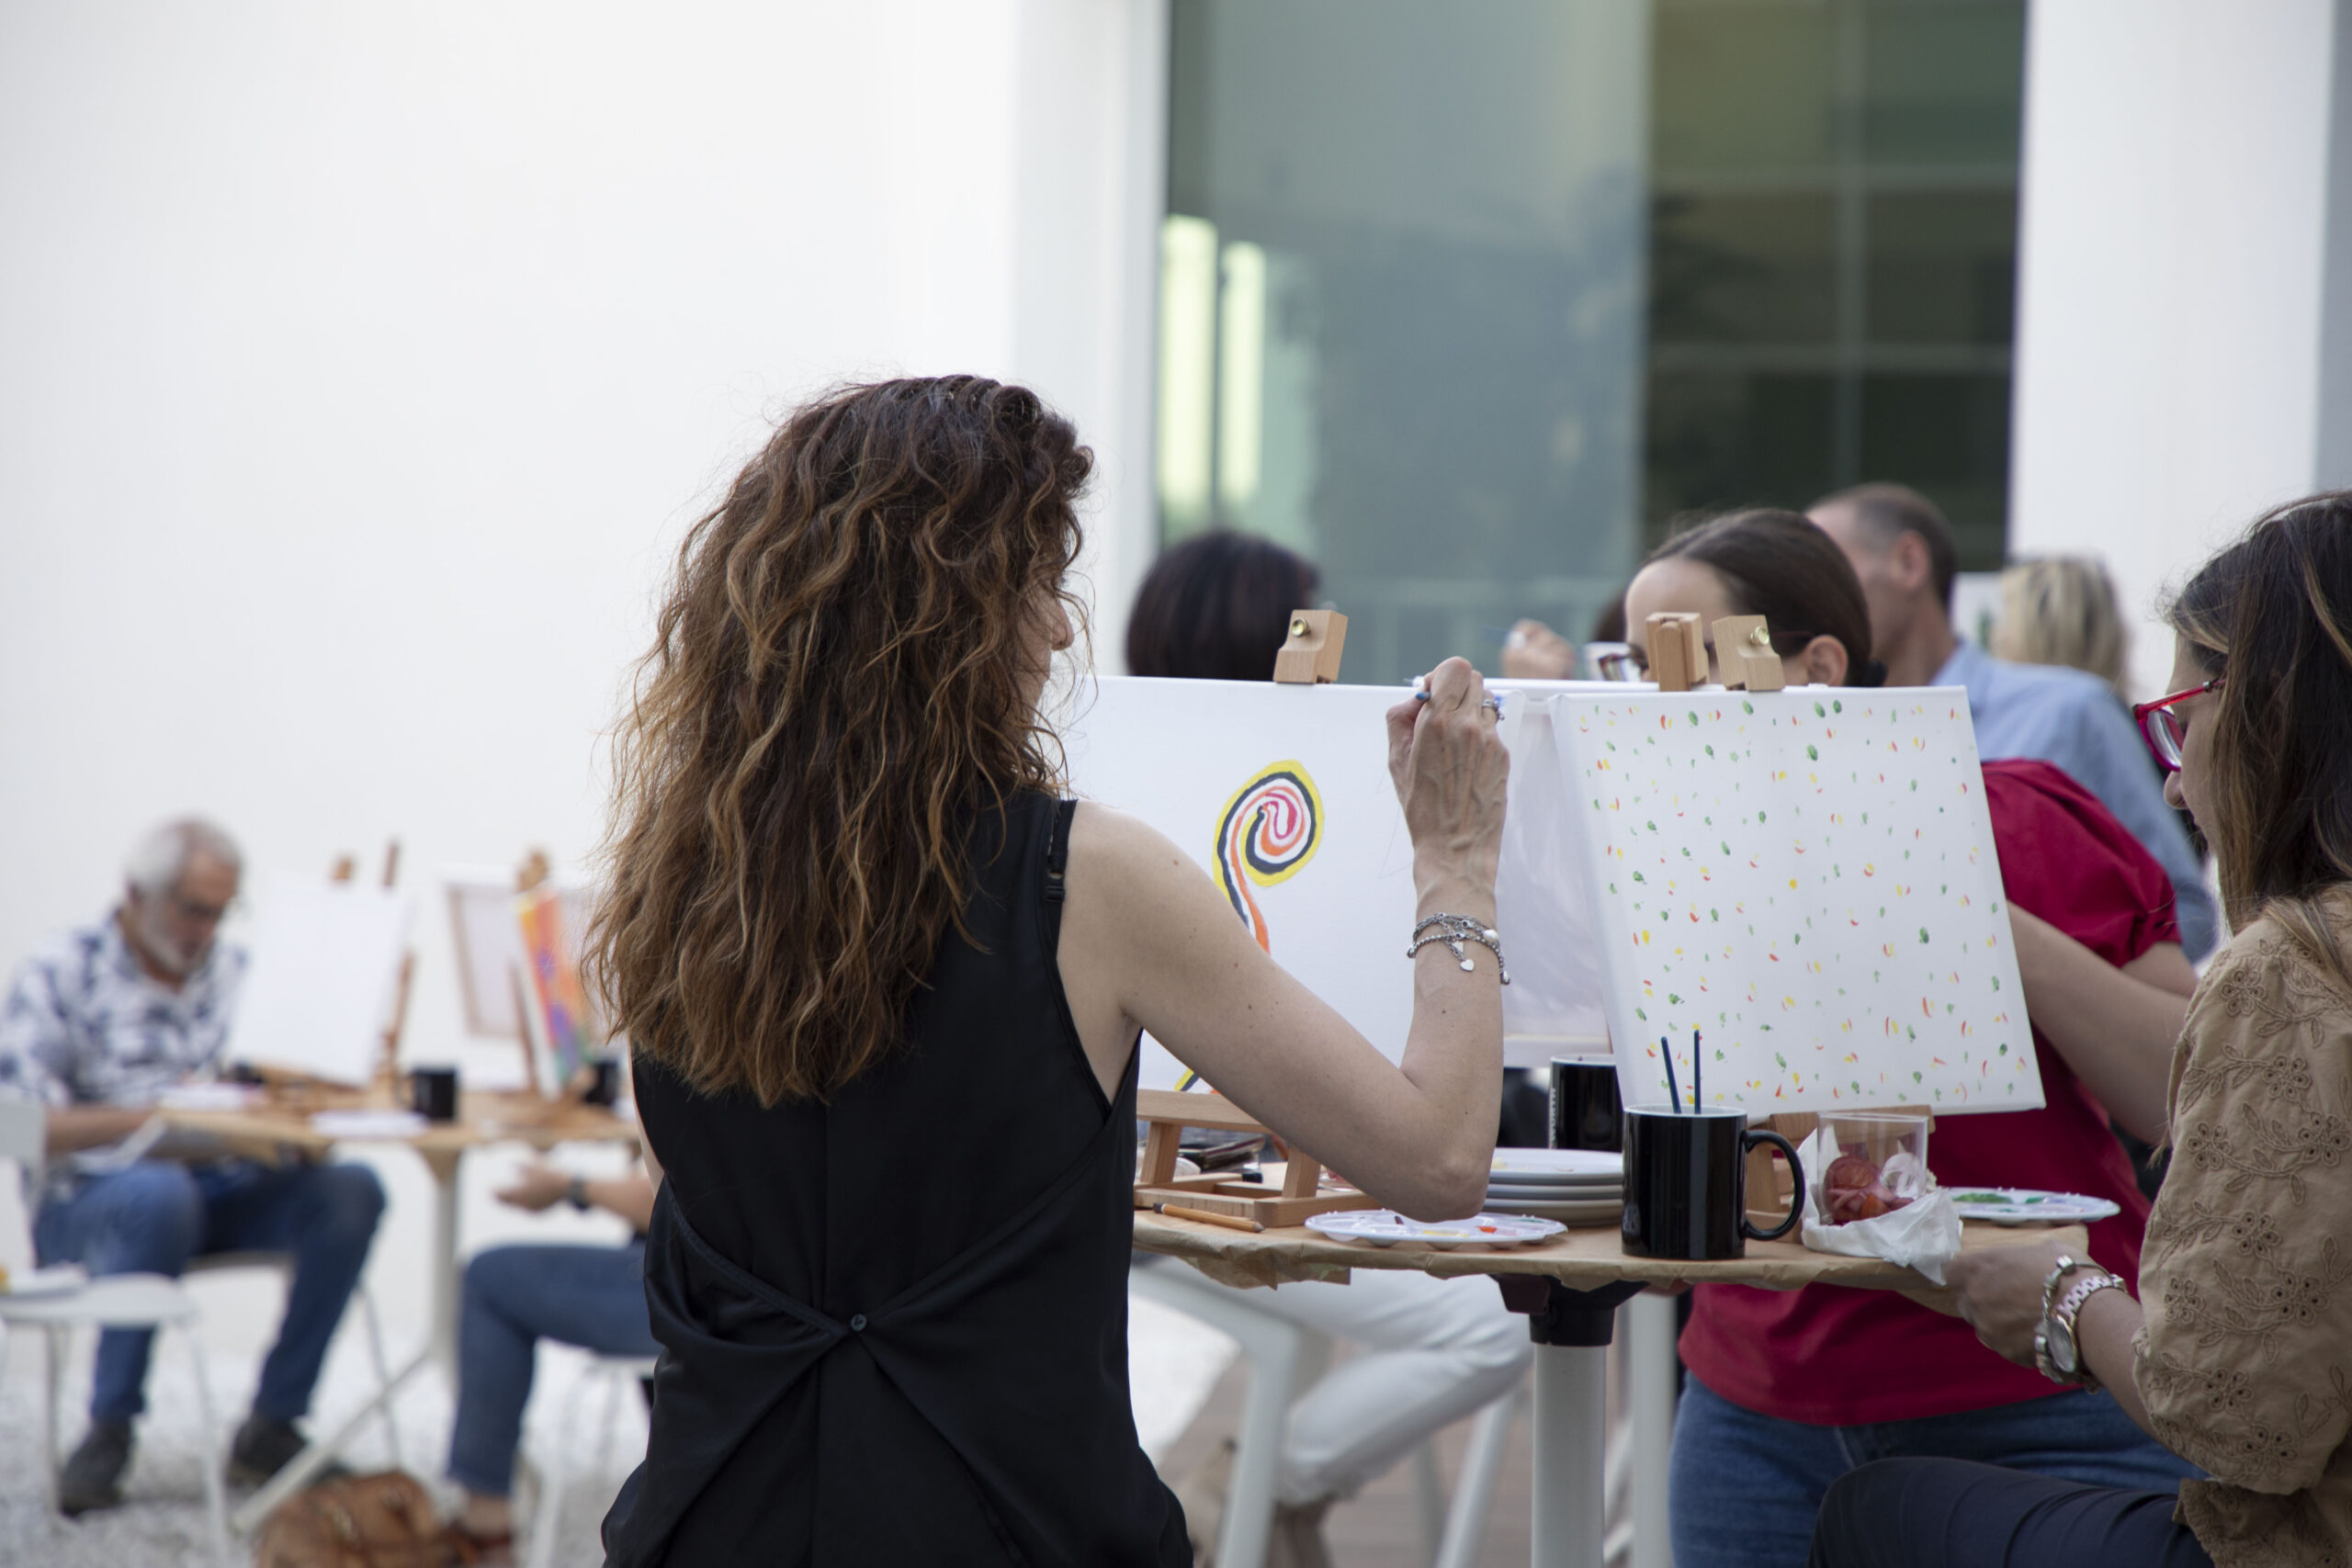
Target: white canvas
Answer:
pixel 489 949
pixel 1329 885
pixel 1809 877
pixel 319 992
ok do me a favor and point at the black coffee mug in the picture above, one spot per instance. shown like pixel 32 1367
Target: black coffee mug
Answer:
pixel 1685 1183
pixel 433 1093
pixel 1586 1111
pixel 605 1086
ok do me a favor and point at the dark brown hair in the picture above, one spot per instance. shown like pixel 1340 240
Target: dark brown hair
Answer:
pixel 1778 565
pixel 1216 608
pixel 1891 510
pixel 2272 614
pixel 837 688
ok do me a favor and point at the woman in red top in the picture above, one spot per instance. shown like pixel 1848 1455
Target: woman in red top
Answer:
pixel 1790 1389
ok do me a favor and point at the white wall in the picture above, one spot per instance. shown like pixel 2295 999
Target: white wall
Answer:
pixel 2171 273
pixel 360 364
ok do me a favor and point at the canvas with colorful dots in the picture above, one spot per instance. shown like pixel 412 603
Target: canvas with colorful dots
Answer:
pixel 1807 879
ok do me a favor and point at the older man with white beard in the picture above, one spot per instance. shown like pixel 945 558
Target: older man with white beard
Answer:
pixel 96 1024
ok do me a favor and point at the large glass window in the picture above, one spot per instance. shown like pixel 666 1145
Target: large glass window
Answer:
pixel 1833 250
pixel 1469 302
pixel 1401 304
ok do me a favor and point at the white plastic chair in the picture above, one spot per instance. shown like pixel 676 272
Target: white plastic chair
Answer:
pixel 282 1265
pixel 118 1301
pixel 1284 1361
pixel 617 1373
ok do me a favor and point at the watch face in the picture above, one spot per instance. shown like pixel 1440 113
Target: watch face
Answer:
pixel 2062 1348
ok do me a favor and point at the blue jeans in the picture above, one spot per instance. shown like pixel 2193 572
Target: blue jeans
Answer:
pixel 590 1296
pixel 154 1216
pixel 1744 1488
pixel 1948 1513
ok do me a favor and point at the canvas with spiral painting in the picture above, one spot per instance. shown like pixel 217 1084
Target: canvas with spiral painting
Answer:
pixel 1282 794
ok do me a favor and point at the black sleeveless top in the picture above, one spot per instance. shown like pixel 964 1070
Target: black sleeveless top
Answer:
pixel 894 1329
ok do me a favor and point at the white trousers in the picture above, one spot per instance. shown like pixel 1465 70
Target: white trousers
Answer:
pixel 1431 1351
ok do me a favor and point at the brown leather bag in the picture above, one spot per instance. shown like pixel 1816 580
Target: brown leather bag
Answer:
pixel 384 1520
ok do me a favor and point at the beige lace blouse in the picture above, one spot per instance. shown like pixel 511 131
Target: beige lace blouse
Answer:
pixel 2246 1358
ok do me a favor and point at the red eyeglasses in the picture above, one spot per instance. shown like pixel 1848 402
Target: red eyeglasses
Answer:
pixel 2161 727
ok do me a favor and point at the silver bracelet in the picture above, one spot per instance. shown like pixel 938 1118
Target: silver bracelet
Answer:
pixel 1456 929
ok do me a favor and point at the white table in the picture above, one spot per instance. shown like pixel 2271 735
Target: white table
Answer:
pixel 284 1132
pixel 1570 1288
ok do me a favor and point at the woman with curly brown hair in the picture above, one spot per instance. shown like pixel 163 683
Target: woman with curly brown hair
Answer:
pixel 883 991
pixel 2237 1355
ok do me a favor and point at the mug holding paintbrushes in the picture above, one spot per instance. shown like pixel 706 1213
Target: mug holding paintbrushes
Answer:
pixel 1686 1174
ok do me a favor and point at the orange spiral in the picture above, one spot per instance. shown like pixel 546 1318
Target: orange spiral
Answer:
pixel 1268 831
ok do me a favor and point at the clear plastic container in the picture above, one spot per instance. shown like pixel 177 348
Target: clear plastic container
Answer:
pixel 1870 1164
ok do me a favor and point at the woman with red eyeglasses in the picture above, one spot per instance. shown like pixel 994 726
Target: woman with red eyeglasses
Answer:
pixel 2237 1353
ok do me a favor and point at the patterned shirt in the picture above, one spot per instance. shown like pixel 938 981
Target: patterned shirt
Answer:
pixel 83 1024
pixel 2244 1358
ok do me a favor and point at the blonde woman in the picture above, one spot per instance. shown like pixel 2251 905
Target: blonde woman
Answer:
pixel 2062 610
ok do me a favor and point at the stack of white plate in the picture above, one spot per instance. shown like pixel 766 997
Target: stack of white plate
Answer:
pixel 1575 1186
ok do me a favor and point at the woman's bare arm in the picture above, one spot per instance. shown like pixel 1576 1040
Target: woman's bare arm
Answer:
pixel 2115 1027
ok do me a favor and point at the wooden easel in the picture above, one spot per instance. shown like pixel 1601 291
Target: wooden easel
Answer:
pixel 388 1061
pixel 1167 1113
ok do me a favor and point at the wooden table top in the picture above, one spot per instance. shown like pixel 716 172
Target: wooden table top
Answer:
pixel 282 1124
pixel 1585 1258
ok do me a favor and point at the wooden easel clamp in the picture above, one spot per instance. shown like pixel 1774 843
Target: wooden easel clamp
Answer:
pixel 1744 654
pixel 1678 650
pixel 1309 655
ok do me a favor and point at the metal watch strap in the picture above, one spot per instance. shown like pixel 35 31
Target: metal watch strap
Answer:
pixel 2070 1310
pixel 2066 1264
pixel 2060 1314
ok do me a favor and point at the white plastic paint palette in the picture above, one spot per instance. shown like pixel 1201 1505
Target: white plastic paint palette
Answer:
pixel 1385 1227
pixel 2024 1206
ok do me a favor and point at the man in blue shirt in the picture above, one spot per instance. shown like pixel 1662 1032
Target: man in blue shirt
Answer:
pixel 95 1026
pixel 1902 550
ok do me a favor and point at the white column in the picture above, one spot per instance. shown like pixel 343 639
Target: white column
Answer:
pixel 2173 271
pixel 1088 189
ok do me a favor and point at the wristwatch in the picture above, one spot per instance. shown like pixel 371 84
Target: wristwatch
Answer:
pixel 2056 1351
pixel 577 1194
